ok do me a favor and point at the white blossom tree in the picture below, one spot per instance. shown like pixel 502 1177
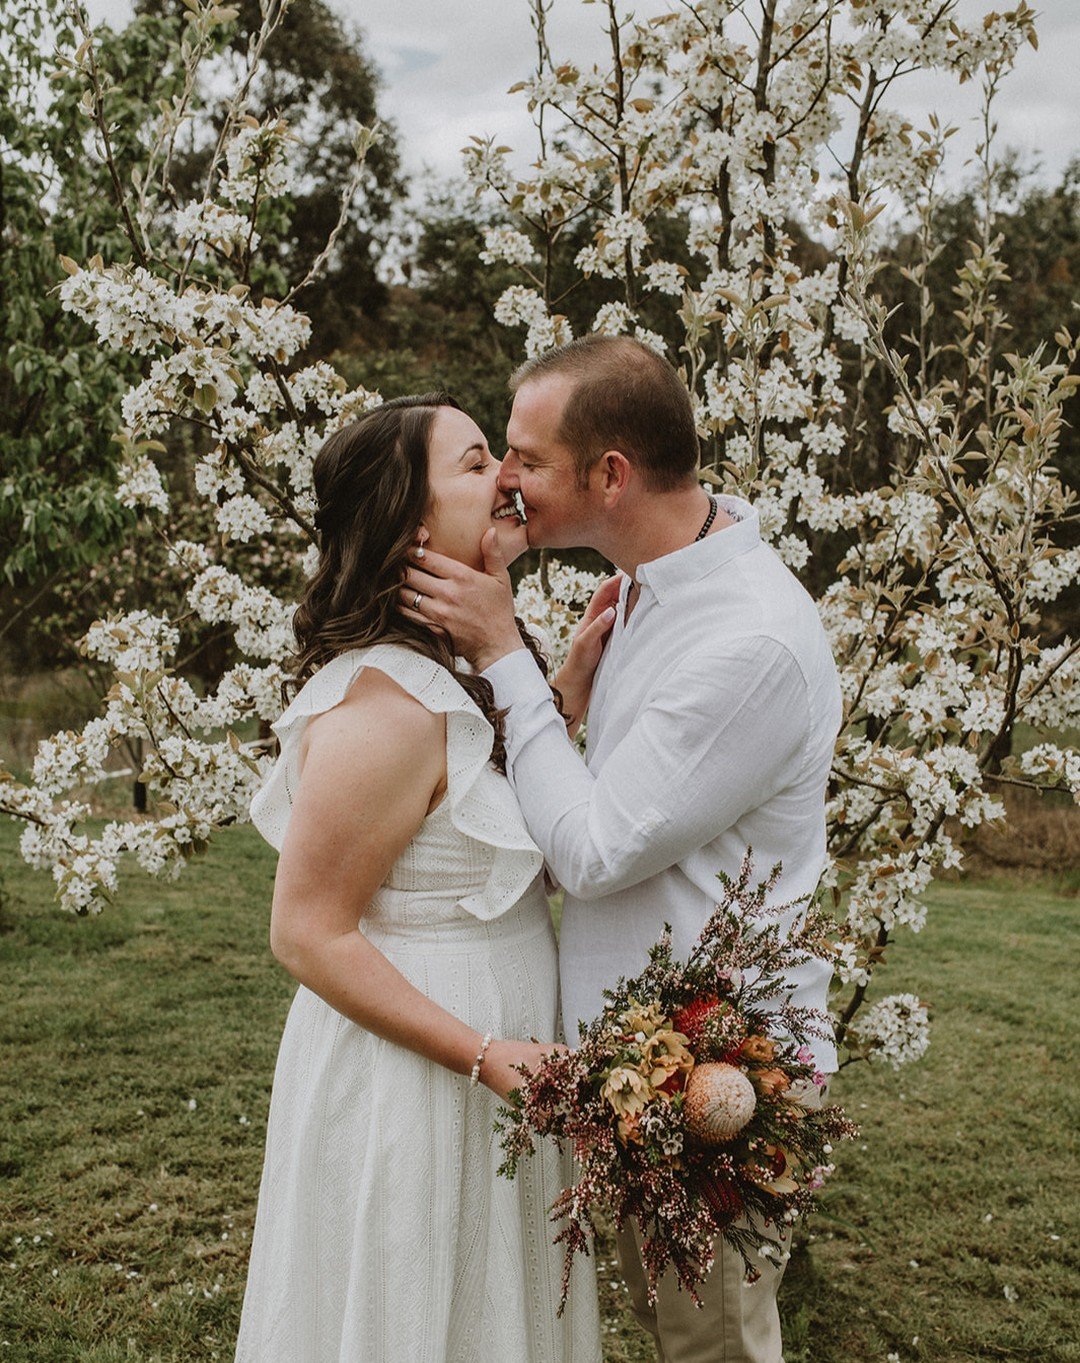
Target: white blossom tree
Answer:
pixel 754 128
pixel 755 125
pixel 221 359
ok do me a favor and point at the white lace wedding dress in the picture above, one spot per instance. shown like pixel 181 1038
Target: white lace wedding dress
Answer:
pixel 383 1234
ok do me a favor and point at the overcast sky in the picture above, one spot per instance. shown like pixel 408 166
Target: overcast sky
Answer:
pixel 446 66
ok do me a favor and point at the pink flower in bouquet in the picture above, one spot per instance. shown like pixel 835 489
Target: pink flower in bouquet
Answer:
pixel 805 1056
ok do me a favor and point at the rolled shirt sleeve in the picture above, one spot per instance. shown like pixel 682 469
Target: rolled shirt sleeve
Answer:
pixel 720 733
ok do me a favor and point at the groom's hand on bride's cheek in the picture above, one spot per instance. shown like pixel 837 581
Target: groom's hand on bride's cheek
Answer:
pixel 475 609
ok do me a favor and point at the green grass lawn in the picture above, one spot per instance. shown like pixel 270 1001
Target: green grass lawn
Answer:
pixel 137 1051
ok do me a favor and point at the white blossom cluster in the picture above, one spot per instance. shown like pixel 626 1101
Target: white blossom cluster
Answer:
pixel 895 1030
pixel 210 224
pixel 1052 688
pixel 883 790
pixel 849 968
pixel 134 642
pixel 507 244
pixel 141 485
pixel 224 775
pixel 521 306
pixel 215 357
pixel 262 622
pixel 131 309
pixel 613 319
pixel 623 238
pixel 1049 761
pixel 83 870
pixel 242 518
pixel 66 759
pixel 664 276
pixel 199 783
pixel 554 614
pixel 485 163
pixel 257 163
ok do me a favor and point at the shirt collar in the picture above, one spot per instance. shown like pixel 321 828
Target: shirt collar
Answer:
pixel 690 564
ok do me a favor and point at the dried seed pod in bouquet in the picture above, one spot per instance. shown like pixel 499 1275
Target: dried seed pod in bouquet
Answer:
pixel 718 1102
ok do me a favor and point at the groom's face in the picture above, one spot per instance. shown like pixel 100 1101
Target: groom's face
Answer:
pixel 559 511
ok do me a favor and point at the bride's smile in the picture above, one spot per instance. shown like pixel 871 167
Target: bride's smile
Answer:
pixel 466 500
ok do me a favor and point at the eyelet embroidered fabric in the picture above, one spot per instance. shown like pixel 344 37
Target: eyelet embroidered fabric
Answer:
pixel 482 807
pixel 383 1232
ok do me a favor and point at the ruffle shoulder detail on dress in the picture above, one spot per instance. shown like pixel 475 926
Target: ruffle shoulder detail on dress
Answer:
pixel 481 804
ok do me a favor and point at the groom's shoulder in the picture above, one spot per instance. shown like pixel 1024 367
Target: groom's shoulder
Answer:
pixel 767 615
pixel 762 596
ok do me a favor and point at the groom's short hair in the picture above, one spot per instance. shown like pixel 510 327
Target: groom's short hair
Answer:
pixel 626 397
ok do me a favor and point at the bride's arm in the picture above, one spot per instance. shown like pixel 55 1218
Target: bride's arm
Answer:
pixel 373 767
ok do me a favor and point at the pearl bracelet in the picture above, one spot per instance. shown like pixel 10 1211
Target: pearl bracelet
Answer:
pixel 474 1075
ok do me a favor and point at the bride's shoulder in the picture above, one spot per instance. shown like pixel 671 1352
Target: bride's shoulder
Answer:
pixel 381 675
pixel 373 708
pixel 434 685
pixel 338 679
pixel 375 713
pixel 381 692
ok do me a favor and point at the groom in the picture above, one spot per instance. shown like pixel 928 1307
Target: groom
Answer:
pixel 712 721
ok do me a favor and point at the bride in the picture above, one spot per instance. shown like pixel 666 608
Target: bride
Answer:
pixel 409 904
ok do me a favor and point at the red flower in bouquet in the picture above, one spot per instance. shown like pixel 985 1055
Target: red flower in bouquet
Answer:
pixel 692 1019
pixel 723 1198
pixel 674 1083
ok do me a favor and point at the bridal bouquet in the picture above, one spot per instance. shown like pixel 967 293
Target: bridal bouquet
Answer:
pixel 682 1103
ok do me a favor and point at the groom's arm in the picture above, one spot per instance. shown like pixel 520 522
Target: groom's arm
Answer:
pixel 721 734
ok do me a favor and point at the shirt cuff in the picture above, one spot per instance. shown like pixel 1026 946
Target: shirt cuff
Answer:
pixel 515 677
pixel 522 691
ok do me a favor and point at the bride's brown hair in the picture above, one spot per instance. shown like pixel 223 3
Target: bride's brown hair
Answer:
pixel 371 482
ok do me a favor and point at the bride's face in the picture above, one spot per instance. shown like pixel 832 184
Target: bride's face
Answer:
pixel 465 498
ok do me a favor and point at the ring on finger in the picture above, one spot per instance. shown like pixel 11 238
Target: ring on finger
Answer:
pixel 416 600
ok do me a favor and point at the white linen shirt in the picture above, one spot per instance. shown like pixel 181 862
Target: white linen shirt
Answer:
pixel 711 729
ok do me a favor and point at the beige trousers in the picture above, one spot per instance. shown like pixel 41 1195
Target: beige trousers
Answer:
pixel 738 1322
